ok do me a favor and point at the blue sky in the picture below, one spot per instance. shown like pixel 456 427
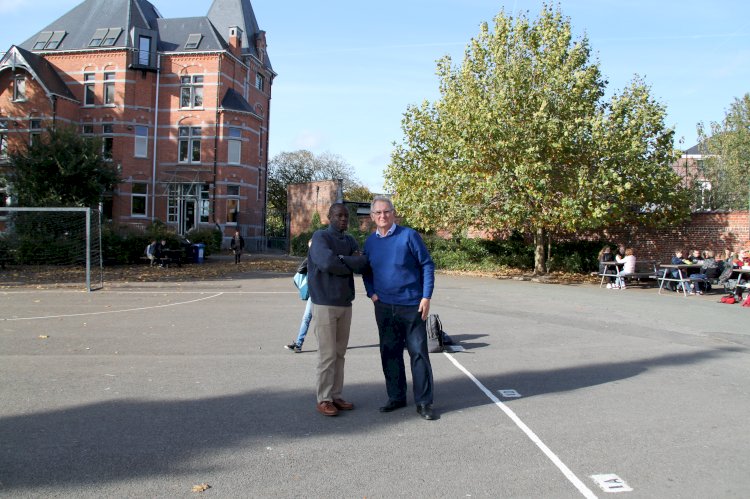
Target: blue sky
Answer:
pixel 347 70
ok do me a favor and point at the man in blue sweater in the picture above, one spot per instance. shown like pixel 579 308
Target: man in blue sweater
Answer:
pixel 333 258
pixel 400 283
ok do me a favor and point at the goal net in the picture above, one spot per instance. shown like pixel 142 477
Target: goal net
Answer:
pixel 50 247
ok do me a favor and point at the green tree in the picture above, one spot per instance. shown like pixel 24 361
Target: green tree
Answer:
pixel 303 166
pixel 62 169
pixel 727 157
pixel 521 139
pixel 358 192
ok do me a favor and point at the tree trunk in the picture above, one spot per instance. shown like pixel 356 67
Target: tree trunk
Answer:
pixel 539 253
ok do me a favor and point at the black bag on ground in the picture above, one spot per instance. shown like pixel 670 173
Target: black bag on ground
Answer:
pixel 436 337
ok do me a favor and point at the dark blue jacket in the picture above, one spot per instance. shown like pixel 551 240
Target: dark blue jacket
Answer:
pixel 330 279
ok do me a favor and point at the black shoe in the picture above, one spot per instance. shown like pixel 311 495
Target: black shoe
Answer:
pixel 425 410
pixel 392 405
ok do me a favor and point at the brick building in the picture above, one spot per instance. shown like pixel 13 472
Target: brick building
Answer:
pixel 182 106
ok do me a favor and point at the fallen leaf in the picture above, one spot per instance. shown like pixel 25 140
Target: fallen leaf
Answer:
pixel 43 336
pixel 201 487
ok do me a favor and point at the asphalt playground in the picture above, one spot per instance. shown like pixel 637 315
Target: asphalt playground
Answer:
pixel 559 391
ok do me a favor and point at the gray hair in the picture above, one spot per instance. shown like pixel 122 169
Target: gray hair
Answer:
pixel 383 199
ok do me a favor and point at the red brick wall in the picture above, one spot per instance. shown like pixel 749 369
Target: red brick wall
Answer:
pixel 303 200
pixel 704 231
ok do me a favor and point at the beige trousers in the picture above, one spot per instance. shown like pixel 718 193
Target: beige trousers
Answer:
pixel 331 326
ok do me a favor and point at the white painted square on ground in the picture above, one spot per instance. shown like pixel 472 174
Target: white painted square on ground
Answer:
pixel 509 394
pixel 611 483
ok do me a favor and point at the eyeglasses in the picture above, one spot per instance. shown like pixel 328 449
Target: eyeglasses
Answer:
pixel 384 212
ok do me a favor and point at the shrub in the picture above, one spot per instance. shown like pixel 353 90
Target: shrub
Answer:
pixel 212 238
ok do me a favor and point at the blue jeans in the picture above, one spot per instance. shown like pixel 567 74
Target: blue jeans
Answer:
pixel 305 325
pixel 400 326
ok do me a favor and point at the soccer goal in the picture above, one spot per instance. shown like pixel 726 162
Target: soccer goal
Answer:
pixel 59 247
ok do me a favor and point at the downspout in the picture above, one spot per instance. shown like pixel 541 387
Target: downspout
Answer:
pixel 265 165
pixel 156 137
pixel 216 143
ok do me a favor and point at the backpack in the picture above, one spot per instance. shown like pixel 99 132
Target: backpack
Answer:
pixel 437 339
pixel 300 282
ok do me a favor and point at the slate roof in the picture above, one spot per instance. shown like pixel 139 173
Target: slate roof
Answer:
pixel 39 68
pixel 82 22
pixel 233 101
pixel 174 33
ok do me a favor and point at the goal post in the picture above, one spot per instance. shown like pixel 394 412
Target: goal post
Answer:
pixel 59 246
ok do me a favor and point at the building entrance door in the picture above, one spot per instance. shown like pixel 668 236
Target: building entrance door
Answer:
pixel 188 215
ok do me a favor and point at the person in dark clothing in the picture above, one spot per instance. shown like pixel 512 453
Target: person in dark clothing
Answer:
pixel 333 259
pixel 237 245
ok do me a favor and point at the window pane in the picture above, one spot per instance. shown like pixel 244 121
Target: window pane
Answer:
pixel 141 141
pixel 233 206
pixel 235 150
pixel 138 205
pixel 185 97
pixel 140 188
pixel 196 151
pixel 144 47
pixel 183 154
pixel 198 97
pixel 89 95
pixel 109 93
pixel 233 190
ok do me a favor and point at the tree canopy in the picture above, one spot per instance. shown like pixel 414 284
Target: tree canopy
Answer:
pixel 522 139
pixel 726 148
pixel 303 166
pixel 62 168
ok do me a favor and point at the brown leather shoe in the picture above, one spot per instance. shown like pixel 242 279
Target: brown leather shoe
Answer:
pixel 326 408
pixel 343 405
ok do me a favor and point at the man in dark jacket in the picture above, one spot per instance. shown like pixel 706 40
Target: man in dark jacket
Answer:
pixel 333 259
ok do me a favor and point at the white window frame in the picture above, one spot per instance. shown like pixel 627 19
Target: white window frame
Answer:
pixel 205 204
pixel 140 149
pixel 234 145
pixel 19 88
pixel 89 89
pixel 188 143
pixel 35 130
pixel 3 139
pixel 141 197
pixel 191 91
pixel 109 89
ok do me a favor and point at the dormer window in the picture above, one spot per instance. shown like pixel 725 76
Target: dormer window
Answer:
pixel 111 37
pixel 105 37
pixel 193 41
pixel 41 42
pixel 49 40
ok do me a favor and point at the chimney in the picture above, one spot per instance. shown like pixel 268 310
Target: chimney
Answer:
pixel 235 40
pixel 260 45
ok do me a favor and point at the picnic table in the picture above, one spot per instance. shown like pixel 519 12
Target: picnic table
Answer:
pixel 742 276
pixel 683 274
pixel 644 269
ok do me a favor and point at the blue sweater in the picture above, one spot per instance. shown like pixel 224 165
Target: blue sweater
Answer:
pixel 401 268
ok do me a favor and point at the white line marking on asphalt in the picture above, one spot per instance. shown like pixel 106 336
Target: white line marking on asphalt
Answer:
pixel 611 483
pixel 113 311
pixel 509 394
pixel 585 491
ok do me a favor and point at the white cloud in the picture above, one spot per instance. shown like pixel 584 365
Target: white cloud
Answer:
pixel 7 6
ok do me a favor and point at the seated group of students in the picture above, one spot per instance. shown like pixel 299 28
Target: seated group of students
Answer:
pixel 700 282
